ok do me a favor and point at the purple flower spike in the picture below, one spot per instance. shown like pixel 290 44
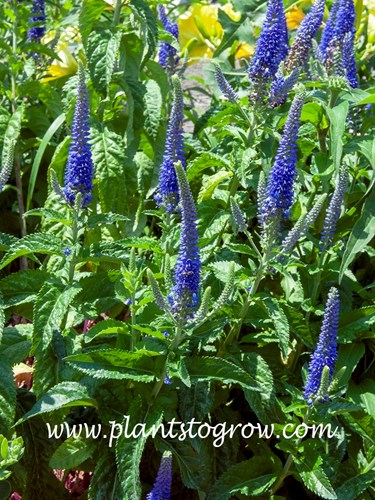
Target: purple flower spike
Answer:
pixel 307 30
pixel 225 87
pixel 168 195
pixel 79 168
pixel 334 209
pixel 326 351
pixel 272 46
pixel 163 483
pixel 279 195
pixel 168 58
pixel 38 17
pixel 184 294
pixel 328 30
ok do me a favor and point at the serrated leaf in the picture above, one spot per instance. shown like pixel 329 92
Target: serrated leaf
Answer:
pixel 355 486
pixel 113 364
pixel 91 10
pixel 23 286
pixel 16 343
pixel 105 481
pixel 317 482
pixel 107 327
pixel 281 324
pixel 210 368
pixel 63 395
pixel 153 108
pixel 6 240
pixel 205 160
pixel 51 307
pixel 252 477
pixel 52 215
pixel 113 170
pixel 337 117
pixel 210 184
pixel 72 453
pixel 7 395
pixel 47 244
pixel 129 451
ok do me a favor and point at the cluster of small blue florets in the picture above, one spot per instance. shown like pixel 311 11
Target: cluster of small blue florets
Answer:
pixel 184 294
pixel 167 54
pixel 279 195
pixel 338 38
pixel 168 192
pixel 38 17
pixel 163 483
pixel 307 30
pixel 326 350
pixel 80 169
pixel 272 46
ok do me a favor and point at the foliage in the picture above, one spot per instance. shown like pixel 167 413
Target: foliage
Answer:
pixel 98 364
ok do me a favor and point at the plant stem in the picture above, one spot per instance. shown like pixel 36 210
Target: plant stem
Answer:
pixel 289 460
pixel 73 260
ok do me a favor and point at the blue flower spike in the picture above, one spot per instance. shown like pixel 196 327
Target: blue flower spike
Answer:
pixel 163 483
pixel 325 354
pixel 79 170
pixel 272 46
pixel 168 194
pixel 184 294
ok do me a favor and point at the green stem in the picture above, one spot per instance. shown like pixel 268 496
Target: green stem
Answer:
pixel 73 260
pixel 117 13
pixel 289 460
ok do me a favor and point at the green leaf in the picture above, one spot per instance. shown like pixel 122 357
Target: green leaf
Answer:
pixel 357 324
pixel 129 451
pixel 16 343
pixel 63 395
pixel 153 108
pixel 263 403
pixel 349 356
pixel 51 215
pixel 355 486
pixel 107 327
pixel 91 10
pixel 252 477
pixel 312 112
pixel 210 184
pixel 7 395
pixel 23 286
pixel 281 324
pixel 205 160
pixel 51 307
pixel 6 240
pixel 210 368
pixel 72 453
pixel 317 482
pixel 39 155
pixel 364 395
pixel 363 231
pixel 34 243
pixel 105 481
pixel 98 46
pixel 113 170
pixel 2 317
pixel 337 116
pixel 113 364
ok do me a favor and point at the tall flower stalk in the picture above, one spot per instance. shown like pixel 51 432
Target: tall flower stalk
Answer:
pixel 302 43
pixel 184 294
pixel 325 354
pixel 279 194
pixel 271 49
pixel 80 168
pixel 168 193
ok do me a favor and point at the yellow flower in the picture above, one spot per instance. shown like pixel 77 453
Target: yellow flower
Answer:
pixel 294 17
pixel 200 31
pixel 244 50
pixel 66 65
